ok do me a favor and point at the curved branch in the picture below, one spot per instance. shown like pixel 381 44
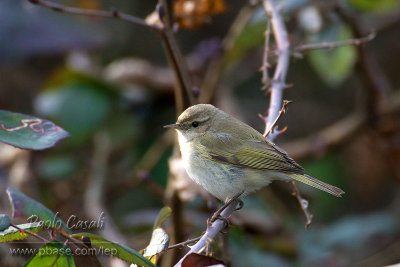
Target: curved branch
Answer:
pixel 93 13
pixel 212 230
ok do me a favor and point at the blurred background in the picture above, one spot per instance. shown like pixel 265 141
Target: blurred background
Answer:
pixel 108 83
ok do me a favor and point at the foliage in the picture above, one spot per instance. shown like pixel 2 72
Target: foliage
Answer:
pixel 29 132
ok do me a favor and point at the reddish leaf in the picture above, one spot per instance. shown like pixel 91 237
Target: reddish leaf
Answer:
pixel 198 260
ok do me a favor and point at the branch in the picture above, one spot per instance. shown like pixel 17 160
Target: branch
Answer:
pixel 269 130
pixel 331 45
pixel 93 13
pixel 278 82
pixel 172 49
pixel 44 240
pixel 303 204
pixel 177 61
pixel 212 230
pixel 185 243
pixel 374 80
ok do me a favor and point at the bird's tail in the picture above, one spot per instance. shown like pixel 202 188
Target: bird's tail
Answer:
pixel 304 178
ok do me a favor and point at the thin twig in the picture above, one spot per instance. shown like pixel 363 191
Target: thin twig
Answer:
pixel 331 45
pixel 303 204
pixel 187 242
pixel 94 13
pixel 30 233
pixel 282 111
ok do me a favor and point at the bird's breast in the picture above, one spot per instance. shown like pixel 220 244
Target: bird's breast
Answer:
pixel 221 180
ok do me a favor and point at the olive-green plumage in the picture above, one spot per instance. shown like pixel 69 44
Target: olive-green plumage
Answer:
pixel 228 157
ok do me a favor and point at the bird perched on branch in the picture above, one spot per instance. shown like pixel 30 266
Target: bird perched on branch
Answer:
pixel 230 158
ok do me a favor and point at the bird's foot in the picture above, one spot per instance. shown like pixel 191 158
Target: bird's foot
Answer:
pixel 219 217
pixel 227 203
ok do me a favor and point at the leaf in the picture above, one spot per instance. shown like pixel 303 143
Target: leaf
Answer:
pixel 12 234
pixel 53 253
pixel 333 66
pixel 121 251
pixel 159 239
pixel 162 216
pixel 4 222
pixel 24 206
pixel 159 242
pixel 199 260
pixel 24 131
pixel 373 5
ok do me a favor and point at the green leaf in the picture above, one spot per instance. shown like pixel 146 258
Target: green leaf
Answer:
pixel 4 222
pixel 121 251
pixel 333 66
pixel 53 253
pixel 24 131
pixel 26 207
pixel 12 234
pixel 162 216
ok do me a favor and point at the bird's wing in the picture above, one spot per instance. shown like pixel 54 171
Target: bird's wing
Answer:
pixel 251 153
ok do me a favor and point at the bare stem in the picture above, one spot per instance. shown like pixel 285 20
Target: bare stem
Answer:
pixel 185 243
pixel 332 45
pixel 303 204
pixel 30 233
pixel 282 111
pixel 93 13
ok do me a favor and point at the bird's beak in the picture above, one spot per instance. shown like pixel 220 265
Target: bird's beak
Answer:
pixel 174 126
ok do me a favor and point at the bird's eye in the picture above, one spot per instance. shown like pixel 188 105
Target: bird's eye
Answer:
pixel 195 124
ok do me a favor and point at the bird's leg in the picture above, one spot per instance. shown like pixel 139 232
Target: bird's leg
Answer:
pixel 227 203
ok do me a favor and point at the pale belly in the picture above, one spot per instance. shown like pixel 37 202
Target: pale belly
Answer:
pixel 224 180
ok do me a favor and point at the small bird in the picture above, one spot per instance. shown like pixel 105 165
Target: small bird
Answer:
pixel 229 158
